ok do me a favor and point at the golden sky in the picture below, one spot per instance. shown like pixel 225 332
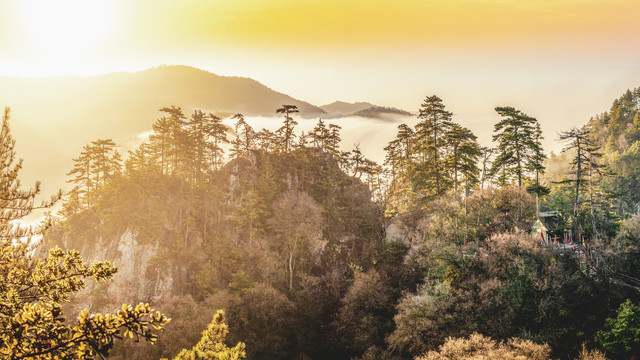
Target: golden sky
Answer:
pixel 129 33
pixel 559 60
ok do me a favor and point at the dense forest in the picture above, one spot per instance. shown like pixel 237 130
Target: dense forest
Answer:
pixel 316 252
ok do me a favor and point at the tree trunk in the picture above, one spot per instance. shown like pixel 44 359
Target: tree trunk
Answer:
pixel 455 172
pixel 593 218
pixel 579 166
pixel 290 272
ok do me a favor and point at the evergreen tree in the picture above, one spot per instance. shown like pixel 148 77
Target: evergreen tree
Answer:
pixel 32 323
pixel 98 163
pixel 159 142
pixel 430 144
pixel 81 173
pixel 357 160
pixel 584 164
pixel 266 140
pixel 487 154
pixel 216 133
pixel 463 156
pixel 515 137
pixel 285 133
pixel 634 131
pixel 536 165
pixel 303 140
pixel 245 137
pixel 622 332
pixel 319 135
pixel 399 150
pixel 107 162
pixel 332 144
pixel 326 138
pixel 198 128
pixel 171 142
pixel 212 344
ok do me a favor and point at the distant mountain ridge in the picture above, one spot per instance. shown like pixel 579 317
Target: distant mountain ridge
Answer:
pixel 377 111
pixel 60 114
pixel 341 107
pixel 362 109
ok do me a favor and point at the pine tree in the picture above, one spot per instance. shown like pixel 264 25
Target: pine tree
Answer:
pixel 487 154
pixel 515 137
pixel 15 202
pixel 266 140
pixel 197 127
pixel 216 133
pixel 536 165
pixel 171 142
pixel 356 161
pixel 160 141
pixel 319 135
pixel 285 133
pixel 97 164
pixel 584 164
pixel 399 151
pixel 32 323
pixel 332 143
pixel 212 344
pixel 463 156
pixel 303 140
pixel 107 162
pixel 245 137
pixel 429 145
pixel 81 173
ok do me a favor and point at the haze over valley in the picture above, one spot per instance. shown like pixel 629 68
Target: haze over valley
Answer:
pixel 310 180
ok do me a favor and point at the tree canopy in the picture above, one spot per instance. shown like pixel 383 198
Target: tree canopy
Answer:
pixel 33 289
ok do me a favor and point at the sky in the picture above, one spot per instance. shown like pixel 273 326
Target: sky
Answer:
pixel 561 61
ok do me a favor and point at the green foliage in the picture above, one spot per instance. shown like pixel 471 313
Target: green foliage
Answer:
pixel 212 345
pixel 245 137
pixel 286 239
pixel 536 165
pixel 517 146
pixel 366 312
pixel 508 287
pixel 585 164
pixel 624 186
pixel 297 228
pixel 621 333
pixel 424 163
pixel 463 158
pixel 623 251
pixel 417 327
pixel 32 323
pixel 227 242
pixel 33 289
pixel 98 163
pixel 285 133
pixel 494 211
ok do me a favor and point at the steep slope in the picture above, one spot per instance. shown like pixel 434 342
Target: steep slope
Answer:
pixel 230 239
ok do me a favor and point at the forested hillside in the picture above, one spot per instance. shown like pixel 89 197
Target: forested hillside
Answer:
pixel 316 252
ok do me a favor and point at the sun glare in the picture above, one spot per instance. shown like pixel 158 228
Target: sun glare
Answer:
pixel 66 26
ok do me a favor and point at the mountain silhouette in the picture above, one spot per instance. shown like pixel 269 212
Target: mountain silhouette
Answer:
pixel 343 108
pixel 120 106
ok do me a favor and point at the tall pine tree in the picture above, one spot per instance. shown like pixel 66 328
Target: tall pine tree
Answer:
pixel 430 168
pixel 515 137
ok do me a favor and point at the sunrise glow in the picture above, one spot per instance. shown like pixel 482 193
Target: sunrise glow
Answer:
pixel 66 26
